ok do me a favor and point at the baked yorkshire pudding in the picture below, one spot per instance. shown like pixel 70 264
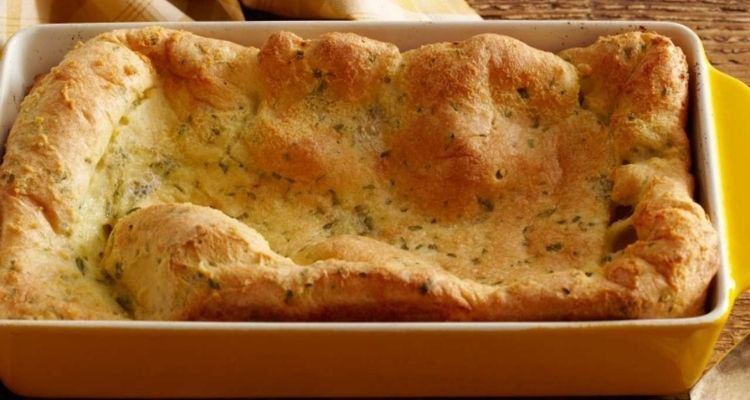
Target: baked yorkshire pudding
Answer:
pixel 155 174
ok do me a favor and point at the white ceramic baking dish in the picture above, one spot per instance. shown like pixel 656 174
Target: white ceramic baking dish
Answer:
pixel 99 358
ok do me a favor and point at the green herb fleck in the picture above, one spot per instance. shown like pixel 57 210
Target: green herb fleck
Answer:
pixel 132 210
pixel 125 303
pixel 486 204
pixel 535 122
pixel 214 284
pixel 334 198
pixel 367 221
pixel 415 228
pixel 424 288
pixel 546 213
pixel 118 270
pixel 105 277
pixel 322 86
pixel 602 185
pixel 363 214
pixel 81 265
pixel 628 51
pixel 182 129
pixel 523 92
pixel 554 247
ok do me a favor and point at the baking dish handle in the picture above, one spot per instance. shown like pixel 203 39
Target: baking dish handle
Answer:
pixel 731 112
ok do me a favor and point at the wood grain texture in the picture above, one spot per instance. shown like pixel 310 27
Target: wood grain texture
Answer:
pixel 724 28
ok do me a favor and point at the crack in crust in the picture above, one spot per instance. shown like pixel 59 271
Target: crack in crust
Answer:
pixel 475 180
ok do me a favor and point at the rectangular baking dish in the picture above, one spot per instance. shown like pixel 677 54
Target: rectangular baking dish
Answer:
pixel 134 359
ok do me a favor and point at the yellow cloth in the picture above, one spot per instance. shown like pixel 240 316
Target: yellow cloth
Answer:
pixel 17 14
pixel 400 10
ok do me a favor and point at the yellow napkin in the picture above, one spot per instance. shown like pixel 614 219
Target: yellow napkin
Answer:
pixel 400 10
pixel 17 14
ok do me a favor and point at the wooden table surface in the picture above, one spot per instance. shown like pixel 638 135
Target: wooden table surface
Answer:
pixel 724 28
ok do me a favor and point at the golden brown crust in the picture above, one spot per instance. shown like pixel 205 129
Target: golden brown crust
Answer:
pixel 477 180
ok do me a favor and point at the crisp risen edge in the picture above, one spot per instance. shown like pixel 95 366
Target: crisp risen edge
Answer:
pixel 480 180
